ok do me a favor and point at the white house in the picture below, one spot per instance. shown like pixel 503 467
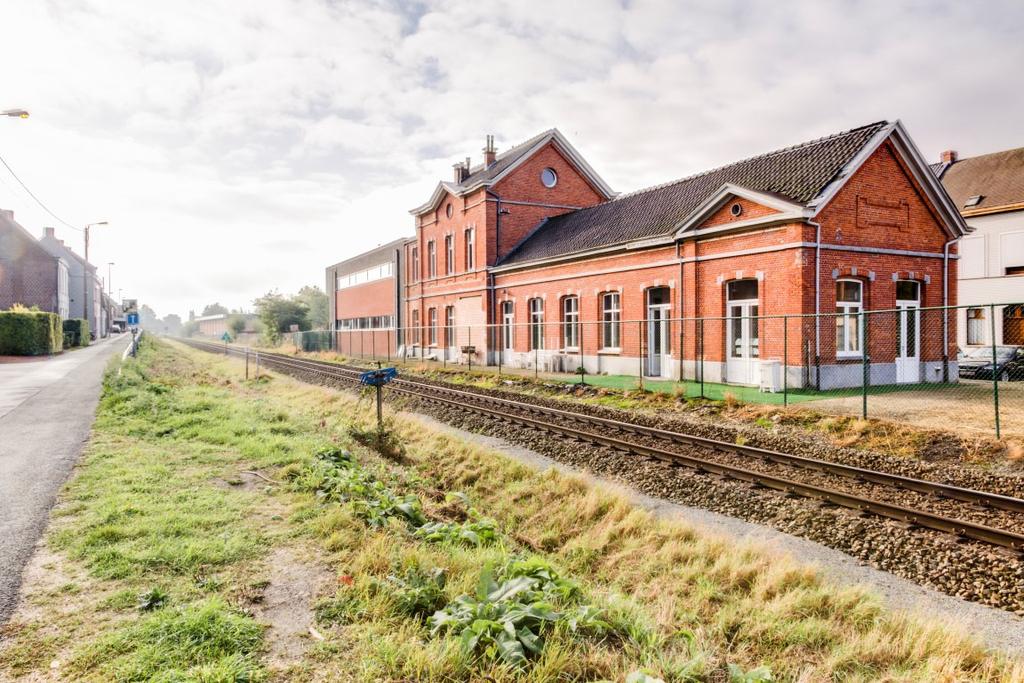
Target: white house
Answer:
pixel 989 190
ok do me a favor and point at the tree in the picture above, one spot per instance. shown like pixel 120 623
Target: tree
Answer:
pixel 236 323
pixel 148 318
pixel 278 313
pixel 172 324
pixel 215 309
pixel 318 305
pixel 189 328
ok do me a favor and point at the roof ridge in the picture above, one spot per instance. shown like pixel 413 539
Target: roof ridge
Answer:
pixel 765 155
pixel 988 154
pixel 528 142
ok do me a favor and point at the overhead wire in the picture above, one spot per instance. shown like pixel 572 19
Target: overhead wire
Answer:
pixel 37 199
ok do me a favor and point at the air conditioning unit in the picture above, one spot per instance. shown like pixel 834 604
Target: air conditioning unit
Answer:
pixel 771 376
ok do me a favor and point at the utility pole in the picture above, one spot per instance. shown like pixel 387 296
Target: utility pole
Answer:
pixel 87 226
pixel 110 286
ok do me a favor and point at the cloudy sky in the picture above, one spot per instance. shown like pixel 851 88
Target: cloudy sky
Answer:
pixel 237 147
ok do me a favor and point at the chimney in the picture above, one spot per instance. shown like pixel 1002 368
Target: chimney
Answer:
pixel 461 170
pixel 8 212
pixel 49 233
pixel 490 154
pixel 948 157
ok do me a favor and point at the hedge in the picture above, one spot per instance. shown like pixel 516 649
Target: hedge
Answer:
pixel 78 329
pixel 30 333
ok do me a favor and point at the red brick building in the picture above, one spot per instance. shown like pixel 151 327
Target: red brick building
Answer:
pixel 30 275
pixel 530 259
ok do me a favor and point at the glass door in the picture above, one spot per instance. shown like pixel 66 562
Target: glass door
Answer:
pixel 743 339
pixel 659 350
pixel 908 333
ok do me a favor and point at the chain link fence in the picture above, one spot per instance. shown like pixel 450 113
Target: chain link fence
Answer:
pixel 944 367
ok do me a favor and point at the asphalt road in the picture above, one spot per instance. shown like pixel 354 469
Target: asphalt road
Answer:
pixel 47 407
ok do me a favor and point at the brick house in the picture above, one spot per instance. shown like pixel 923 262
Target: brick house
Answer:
pixel 531 260
pixel 85 289
pixel 29 274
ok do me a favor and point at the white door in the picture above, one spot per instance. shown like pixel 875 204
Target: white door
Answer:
pixel 658 346
pixel 908 342
pixel 742 365
pixel 507 332
pixel 908 332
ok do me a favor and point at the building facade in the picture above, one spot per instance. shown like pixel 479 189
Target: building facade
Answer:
pixel 85 287
pixel 363 294
pixel 989 191
pixel 29 274
pixel 529 259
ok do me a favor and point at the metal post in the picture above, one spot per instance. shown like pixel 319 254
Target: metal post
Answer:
pixel 640 350
pixel 257 365
pixel 362 343
pixel 785 360
pixel 247 362
pixel 582 368
pixel 501 343
pixel 682 355
pixel 388 333
pixel 469 342
pixel 536 354
pixel 995 376
pixel 373 344
pixel 701 344
pixel 380 410
pixel 866 363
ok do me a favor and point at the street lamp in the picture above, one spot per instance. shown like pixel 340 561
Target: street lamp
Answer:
pixel 87 226
pixel 110 288
pixel 15 113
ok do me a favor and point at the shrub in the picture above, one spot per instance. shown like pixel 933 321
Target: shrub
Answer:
pixel 26 332
pixel 78 329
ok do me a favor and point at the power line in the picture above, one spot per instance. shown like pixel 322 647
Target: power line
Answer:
pixel 38 200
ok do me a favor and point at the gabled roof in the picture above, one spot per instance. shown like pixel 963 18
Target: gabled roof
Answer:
pixel 800 178
pixel 507 161
pixel 998 178
pixel 15 229
pixel 58 248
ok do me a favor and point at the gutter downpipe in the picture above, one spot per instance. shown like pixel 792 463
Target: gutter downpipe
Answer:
pixel 492 295
pixel 817 304
pixel 945 311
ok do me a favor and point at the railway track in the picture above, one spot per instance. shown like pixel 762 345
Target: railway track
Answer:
pixel 718 458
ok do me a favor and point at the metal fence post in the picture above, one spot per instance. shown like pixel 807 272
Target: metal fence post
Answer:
pixel 388 352
pixel 682 355
pixel 640 350
pixel 536 354
pixel 469 342
pixel 866 363
pixel 373 344
pixel 247 362
pixel 785 360
pixel 501 345
pixel 995 375
pixel 701 344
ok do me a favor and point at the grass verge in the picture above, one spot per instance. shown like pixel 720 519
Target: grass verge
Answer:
pixel 450 563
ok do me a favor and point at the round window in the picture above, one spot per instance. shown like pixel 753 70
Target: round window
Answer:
pixel 549 177
pixel 448 211
pixel 736 209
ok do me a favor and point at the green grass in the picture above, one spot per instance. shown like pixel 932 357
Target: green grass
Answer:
pixel 162 560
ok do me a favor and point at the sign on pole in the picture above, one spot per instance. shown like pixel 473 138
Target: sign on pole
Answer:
pixel 377 379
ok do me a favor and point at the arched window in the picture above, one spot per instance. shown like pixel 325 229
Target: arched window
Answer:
pixel 570 322
pixel 849 304
pixel 611 319
pixel 536 323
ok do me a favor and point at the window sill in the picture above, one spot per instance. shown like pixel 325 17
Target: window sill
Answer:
pixel 610 351
pixel 571 349
pixel 849 356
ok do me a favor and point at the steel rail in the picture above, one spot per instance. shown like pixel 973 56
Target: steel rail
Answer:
pixel 910 516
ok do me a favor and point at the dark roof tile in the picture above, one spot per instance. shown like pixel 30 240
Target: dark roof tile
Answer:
pixel 797 173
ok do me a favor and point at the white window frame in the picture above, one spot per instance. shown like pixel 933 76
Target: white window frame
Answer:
pixel 431 259
pixel 508 320
pixel 849 315
pixel 536 309
pixel 449 326
pixel 432 326
pixel 981 320
pixel 470 239
pixel 571 323
pixel 611 321
pixel 415 275
pixel 449 254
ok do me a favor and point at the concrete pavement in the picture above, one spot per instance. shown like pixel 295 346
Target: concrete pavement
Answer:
pixel 47 407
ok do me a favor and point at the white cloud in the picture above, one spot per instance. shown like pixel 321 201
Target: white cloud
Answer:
pixel 237 147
